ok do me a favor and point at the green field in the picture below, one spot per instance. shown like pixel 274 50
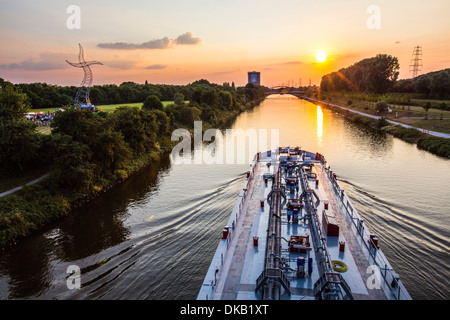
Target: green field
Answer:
pixel 104 108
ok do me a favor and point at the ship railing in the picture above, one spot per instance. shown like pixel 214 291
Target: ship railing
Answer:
pixel 239 209
pixel 385 271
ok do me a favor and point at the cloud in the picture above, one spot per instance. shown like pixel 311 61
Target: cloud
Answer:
pixel 292 62
pixel 185 39
pixel 48 61
pixel 118 64
pixel 156 66
pixel 152 44
pixel 219 73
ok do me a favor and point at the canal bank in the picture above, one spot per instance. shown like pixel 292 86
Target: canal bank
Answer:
pixel 29 208
pixel 437 143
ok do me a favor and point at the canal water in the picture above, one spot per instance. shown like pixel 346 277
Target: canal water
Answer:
pixel 153 236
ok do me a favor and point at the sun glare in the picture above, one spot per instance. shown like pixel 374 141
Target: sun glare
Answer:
pixel 321 56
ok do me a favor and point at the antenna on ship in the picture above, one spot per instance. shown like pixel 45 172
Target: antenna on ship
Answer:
pixel 416 62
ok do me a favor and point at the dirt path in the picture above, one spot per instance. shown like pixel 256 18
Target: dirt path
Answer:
pixel 8 192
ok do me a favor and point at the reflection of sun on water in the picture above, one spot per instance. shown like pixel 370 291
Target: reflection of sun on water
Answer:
pixel 319 124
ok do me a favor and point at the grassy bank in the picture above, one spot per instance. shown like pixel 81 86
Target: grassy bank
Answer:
pixel 436 145
pixel 403 108
pixel 34 206
pixel 104 108
pixel 28 210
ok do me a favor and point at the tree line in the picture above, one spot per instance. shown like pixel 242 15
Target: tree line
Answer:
pixel 431 85
pixel 372 75
pixel 379 75
pixel 88 151
pixel 86 147
pixel 43 95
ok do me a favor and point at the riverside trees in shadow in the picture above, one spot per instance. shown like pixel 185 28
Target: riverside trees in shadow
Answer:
pixel 88 152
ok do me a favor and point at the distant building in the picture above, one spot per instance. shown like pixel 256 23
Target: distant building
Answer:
pixel 254 78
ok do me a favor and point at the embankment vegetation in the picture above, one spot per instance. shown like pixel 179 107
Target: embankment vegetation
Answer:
pixel 436 145
pixel 372 86
pixel 89 152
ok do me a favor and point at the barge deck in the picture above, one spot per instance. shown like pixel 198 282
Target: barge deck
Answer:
pixel 293 234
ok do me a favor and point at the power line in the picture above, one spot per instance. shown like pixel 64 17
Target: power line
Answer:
pixel 416 62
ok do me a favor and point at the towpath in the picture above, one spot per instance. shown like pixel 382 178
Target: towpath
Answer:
pixel 433 133
pixel 3 194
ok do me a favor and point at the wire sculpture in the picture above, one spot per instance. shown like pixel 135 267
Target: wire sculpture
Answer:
pixel 82 95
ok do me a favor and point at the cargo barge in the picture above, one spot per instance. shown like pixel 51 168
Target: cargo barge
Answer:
pixel 293 234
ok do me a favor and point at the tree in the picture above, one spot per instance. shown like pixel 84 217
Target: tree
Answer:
pixel 423 85
pixel 375 75
pixel 130 123
pixel 162 121
pixel 208 115
pixel 225 99
pixel 209 97
pixel 110 152
pixel 13 103
pixel 197 96
pixel 178 98
pixel 19 142
pixel 381 106
pixel 152 102
pixel 381 74
pixel 83 125
pixel 73 170
pixel 440 84
pixel 201 81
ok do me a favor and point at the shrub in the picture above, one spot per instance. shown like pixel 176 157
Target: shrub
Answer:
pixel 381 106
pixel 436 145
pixel 152 102
pixel 178 98
pixel 382 122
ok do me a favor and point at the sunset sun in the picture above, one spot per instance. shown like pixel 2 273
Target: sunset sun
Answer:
pixel 321 56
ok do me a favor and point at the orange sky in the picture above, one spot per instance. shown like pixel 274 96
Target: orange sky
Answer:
pixel 177 42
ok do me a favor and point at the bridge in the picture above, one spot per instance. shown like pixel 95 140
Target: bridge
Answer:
pixel 284 90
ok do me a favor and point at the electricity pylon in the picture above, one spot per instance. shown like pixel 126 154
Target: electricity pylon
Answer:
pixel 82 95
pixel 416 62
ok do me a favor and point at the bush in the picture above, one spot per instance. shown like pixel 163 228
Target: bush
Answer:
pixel 162 121
pixel 152 102
pixel 382 122
pixel 185 115
pixel 27 210
pixel 436 145
pixel 381 106
pixel 178 98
